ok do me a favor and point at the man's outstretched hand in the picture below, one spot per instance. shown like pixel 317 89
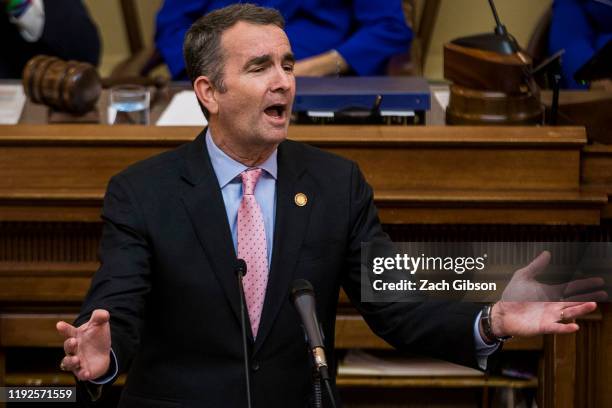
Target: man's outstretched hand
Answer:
pixel 87 347
pixel 525 287
pixel 525 319
pixel 529 308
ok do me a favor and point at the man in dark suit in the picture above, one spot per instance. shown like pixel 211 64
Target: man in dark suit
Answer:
pixel 164 305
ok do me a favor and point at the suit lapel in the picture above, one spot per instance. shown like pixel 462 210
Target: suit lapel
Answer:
pixel 290 222
pixel 204 203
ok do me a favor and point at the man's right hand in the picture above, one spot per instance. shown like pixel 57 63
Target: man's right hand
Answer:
pixel 87 347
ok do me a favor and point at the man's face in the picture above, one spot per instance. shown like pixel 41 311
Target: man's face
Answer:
pixel 259 84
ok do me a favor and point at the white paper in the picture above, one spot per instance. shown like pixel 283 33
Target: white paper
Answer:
pixel 12 100
pixel 183 110
pixel 358 362
pixel 442 97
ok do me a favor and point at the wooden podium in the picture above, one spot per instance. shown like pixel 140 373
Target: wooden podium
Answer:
pixel 470 183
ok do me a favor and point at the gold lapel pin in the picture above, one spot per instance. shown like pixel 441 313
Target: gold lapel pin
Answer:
pixel 300 199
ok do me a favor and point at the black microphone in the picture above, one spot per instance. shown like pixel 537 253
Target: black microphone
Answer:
pixel 500 41
pixel 241 270
pixel 302 295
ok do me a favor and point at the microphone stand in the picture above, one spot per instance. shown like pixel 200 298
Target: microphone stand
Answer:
pixel 317 394
pixel 551 66
pixel 330 392
pixel 321 373
pixel 303 298
pixel 500 29
pixel 241 270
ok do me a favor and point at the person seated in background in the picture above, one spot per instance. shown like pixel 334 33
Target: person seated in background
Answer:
pixel 329 37
pixel 61 28
pixel 581 27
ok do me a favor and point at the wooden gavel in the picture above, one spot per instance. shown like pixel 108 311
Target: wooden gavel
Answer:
pixel 67 86
pixel 72 86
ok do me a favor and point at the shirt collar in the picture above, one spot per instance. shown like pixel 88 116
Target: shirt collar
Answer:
pixel 228 169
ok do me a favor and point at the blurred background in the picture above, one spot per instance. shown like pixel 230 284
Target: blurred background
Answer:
pixel 456 18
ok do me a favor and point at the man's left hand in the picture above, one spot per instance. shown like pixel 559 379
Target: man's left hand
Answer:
pixel 527 319
pixel 530 308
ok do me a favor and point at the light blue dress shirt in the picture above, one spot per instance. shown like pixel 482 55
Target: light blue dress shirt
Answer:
pixel 228 172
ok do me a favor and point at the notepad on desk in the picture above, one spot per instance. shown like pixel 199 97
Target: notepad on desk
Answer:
pixel 443 98
pixel 12 100
pixel 183 110
pixel 360 363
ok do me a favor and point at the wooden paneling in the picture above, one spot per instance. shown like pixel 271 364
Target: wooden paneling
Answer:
pixel 588 355
pixel 604 355
pixel 471 211
pixel 435 382
pixel 47 262
pixel 419 174
pixel 58 290
pixel 34 245
pixel 560 365
pixel 596 173
pixel 596 169
pixel 458 182
pixel 31 330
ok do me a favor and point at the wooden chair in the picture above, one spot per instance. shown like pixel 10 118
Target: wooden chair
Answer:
pixel 143 59
pixel 537 47
pixel 412 62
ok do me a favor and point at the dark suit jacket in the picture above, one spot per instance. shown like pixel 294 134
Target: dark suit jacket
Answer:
pixel 167 278
pixel 69 33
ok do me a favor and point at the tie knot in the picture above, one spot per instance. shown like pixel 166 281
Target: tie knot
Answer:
pixel 249 180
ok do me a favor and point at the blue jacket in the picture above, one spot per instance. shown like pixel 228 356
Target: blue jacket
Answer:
pixel 366 33
pixel 581 27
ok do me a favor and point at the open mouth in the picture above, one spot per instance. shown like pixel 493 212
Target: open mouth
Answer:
pixel 276 111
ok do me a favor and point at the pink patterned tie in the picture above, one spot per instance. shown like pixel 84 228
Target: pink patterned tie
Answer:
pixel 252 247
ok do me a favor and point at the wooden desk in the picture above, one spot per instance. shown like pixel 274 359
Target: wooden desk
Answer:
pixel 423 175
pixel 460 182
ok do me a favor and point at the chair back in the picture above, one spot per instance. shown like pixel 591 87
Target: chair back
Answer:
pixel 422 25
pixel 537 47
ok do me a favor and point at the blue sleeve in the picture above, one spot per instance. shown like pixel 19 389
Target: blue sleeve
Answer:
pixel 173 20
pixel 381 33
pixel 570 30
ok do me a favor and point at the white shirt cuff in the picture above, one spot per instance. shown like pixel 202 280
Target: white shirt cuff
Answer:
pixel 483 350
pixel 108 378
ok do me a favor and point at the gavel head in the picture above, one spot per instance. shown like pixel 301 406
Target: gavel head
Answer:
pixel 67 86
